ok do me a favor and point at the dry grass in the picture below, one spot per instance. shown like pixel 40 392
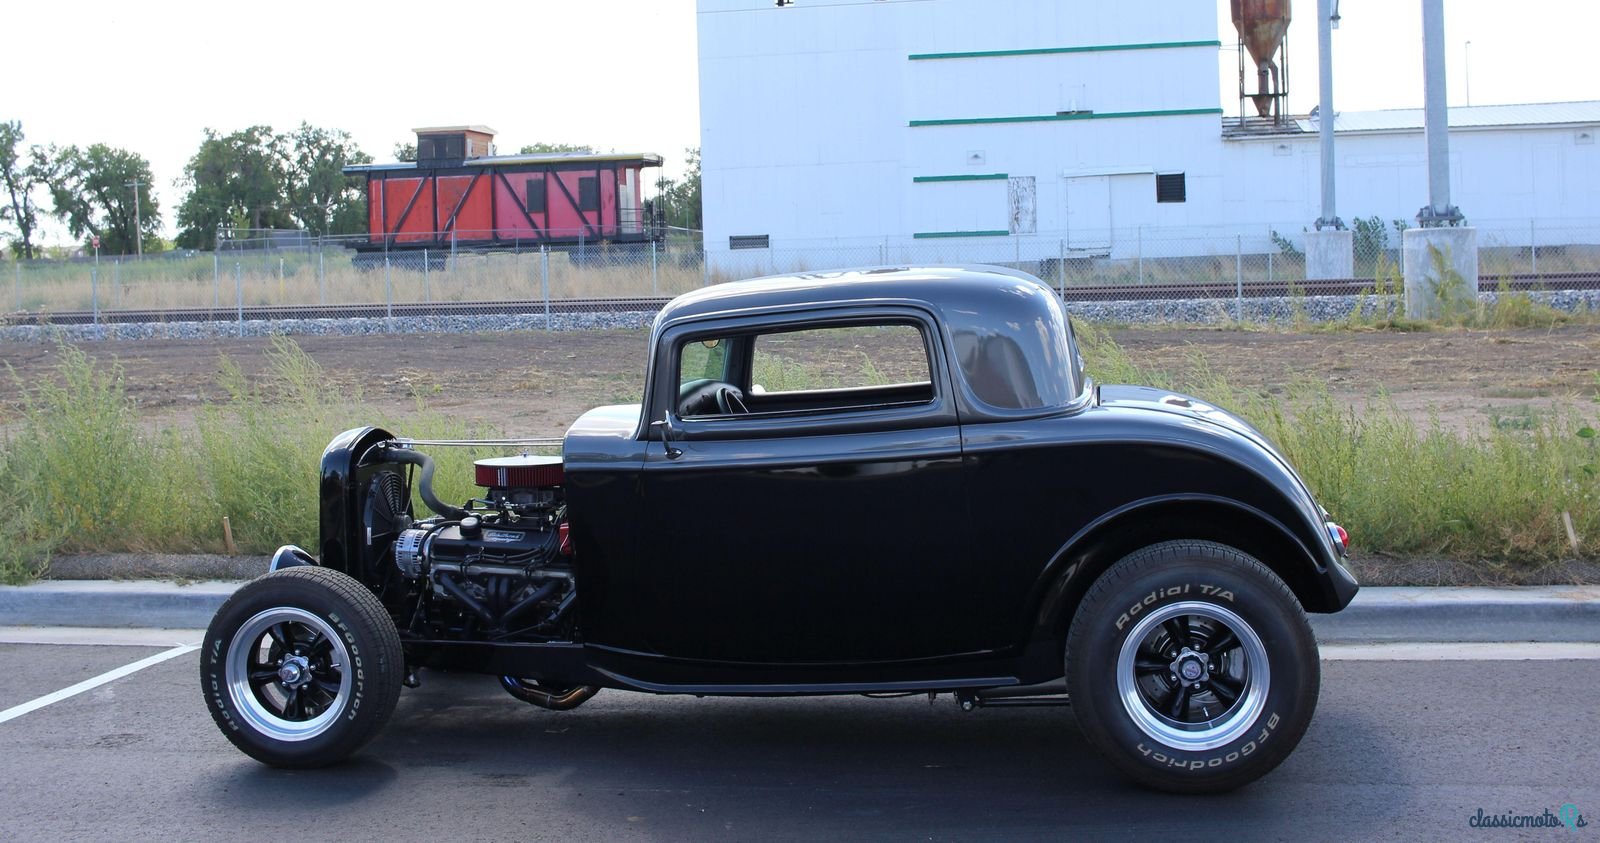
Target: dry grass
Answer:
pixel 255 279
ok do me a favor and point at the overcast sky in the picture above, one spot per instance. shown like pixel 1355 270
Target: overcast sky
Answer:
pixel 617 74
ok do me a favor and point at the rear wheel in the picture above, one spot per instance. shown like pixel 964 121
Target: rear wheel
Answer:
pixel 301 667
pixel 1191 667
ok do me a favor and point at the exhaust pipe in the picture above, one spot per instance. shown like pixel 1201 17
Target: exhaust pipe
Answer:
pixel 529 692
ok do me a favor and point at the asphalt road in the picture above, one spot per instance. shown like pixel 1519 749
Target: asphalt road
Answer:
pixel 1400 750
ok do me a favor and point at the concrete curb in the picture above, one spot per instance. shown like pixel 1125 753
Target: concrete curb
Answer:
pixel 1378 615
pixel 113 603
pixel 1401 614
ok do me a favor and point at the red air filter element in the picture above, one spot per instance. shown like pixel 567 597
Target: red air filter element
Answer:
pixel 521 472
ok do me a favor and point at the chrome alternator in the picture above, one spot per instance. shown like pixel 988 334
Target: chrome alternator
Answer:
pixel 410 548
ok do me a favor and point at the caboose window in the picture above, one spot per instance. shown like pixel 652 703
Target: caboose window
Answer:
pixel 425 149
pixel 589 193
pixel 535 196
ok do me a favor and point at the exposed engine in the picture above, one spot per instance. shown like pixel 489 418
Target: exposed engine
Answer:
pixel 497 568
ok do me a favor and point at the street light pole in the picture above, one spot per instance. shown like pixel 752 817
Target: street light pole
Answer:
pixel 138 234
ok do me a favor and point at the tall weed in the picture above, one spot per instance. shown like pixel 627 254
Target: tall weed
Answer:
pixel 77 475
pixel 1399 486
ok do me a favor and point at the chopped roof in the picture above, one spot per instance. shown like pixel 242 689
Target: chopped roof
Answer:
pixel 933 285
pixel 1008 331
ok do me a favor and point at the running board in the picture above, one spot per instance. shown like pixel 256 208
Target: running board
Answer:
pixel 959 686
pixel 1052 693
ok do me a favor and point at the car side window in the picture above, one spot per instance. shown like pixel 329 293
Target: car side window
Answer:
pixel 852 357
pixel 804 371
pixel 703 360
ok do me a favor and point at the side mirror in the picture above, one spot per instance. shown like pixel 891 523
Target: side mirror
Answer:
pixel 669 435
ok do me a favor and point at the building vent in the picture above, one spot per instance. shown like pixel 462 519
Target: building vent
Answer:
pixel 1170 188
pixel 749 241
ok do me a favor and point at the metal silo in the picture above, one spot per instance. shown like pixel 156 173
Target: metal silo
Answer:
pixel 1262 27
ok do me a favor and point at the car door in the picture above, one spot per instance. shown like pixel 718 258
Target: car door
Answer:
pixel 825 525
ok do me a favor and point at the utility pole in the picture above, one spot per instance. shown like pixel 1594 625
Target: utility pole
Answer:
pixel 1435 114
pixel 1440 256
pixel 1330 248
pixel 138 233
pixel 1468 63
pixel 1327 19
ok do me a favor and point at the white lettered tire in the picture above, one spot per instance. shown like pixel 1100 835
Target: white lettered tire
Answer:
pixel 1191 667
pixel 301 667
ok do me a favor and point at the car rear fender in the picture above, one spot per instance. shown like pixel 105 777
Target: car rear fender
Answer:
pixel 1141 523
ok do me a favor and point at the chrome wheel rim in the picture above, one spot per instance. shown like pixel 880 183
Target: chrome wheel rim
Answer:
pixel 287 674
pixel 1193 675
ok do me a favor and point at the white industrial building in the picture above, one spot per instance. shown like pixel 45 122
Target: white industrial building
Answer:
pixel 857 130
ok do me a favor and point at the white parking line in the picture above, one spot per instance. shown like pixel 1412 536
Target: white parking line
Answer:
pixel 1476 652
pixel 99 636
pixel 16 711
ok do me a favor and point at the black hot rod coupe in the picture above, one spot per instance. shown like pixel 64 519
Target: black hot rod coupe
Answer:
pixel 862 482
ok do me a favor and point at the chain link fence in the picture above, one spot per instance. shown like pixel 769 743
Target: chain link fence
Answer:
pixel 293 276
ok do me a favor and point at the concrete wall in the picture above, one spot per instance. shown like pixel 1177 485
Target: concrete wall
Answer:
pixel 806 110
pixel 1497 174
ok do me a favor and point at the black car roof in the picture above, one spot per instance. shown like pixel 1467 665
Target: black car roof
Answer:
pixel 1008 331
pixel 943 287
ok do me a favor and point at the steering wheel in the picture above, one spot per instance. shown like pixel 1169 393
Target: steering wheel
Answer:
pixel 729 401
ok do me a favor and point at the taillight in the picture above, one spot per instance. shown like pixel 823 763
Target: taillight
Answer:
pixel 1339 535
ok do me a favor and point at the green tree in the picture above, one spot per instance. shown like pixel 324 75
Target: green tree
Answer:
pixel 20 178
pixel 91 190
pixel 319 195
pixel 538 148
pixel 679 201
pixel 405 152
pixel 235 181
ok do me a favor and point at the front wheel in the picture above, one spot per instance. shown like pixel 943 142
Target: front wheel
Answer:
pixel 1191 667
pixel 301 667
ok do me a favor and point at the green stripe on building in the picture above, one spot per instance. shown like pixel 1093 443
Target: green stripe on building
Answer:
pixel 1049 51
pixel 1085 115
pixel 922 235
pixel 977 177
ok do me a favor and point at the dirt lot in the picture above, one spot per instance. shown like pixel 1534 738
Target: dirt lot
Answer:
pixel 536 383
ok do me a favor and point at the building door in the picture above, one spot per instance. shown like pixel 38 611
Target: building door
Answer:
pixel 1089 214
pixel 1022 195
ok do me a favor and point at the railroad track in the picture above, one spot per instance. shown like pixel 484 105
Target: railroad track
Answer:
pixel 378 310
pixel 1073 293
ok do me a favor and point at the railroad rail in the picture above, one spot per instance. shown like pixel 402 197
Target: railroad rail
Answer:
pixel 1071 293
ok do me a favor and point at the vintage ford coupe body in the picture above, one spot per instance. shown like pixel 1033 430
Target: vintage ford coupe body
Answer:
pixel 873 481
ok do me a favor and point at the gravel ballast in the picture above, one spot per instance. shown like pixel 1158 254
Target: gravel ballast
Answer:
pixel 1209 311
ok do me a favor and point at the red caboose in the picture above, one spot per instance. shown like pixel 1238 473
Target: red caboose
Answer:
pixel 458 193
